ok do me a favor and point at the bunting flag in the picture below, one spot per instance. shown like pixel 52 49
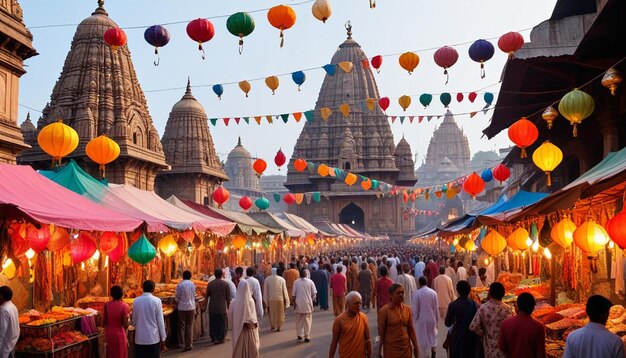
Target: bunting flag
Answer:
pixel 285 117
pixel 346 66
pixel 411 119
pixel 308 197
pixel 226 120
pixel 309 115
pixel 472 114
pixel 325 113
pixel 270 120
pixel 365 63
pixel 299 198
pixel 247 120
pixel 237 119
pixel 345 110
pixel 276 197
pixel 420 119
pixel 258 120
pixel 297 116
pixel 330 69
pixel 393 119
pixel 213 121
pixel 370 103
pixel 401 119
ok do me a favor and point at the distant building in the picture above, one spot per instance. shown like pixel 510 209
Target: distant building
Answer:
pixel 242 178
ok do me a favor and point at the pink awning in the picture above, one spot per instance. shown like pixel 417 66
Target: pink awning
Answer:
pixel 49 203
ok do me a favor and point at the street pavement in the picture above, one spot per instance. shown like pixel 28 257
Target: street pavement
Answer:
pixel 284 345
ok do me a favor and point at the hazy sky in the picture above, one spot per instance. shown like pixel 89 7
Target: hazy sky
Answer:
pixel 393 27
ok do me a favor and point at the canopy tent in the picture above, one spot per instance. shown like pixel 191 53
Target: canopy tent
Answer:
pixel 158 214
pixel 301 223
pixel 228 225
pixel 269 219
pixel 42 200
pixel 245 223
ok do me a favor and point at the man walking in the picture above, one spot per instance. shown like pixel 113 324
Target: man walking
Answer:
pixel 522 336
pixel 351 331
pixel 291 276
pixel 408 282
pixel 218 295
pixel 320 279
pixel 9 322
pixel 338 286
pixel 186 307
pixel 424 305
pixel 442 285
pixel 304 293
pixel 486 323
pixel 366 285
pixel 382 288
pixel 255 287
pixel 149 324
pixel 276 299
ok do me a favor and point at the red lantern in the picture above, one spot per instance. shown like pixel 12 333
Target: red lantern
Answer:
pixel 376 62
pixel 245 203
pixel 82 248
pixel 474 184
pixel 108 242
pixel 523 133
pixel 501 173
pixel 220 245
pixel 59 237
pixel 200 30
pixel 115 38
pixel 446 57
pixel 300 165
pixel 188 235
pixel 220 196
pixel 280 159
pixel 405 196
pixel 38 238
pixel 384 103
pixel 289 198
pixel 511 42
pixel 616 227
pixel 19 244
pixel 259 166
pixel 120 250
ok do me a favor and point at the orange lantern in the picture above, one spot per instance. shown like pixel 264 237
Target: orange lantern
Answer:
pixel 563 232
pixel 300 165
pixel 520 237
pixel 404 102
pixel 108 242
pixel 58 140
pixel 19 243
pixel 366 184
pixel 493 243
pixel 272 83
pixel 259 166
pixel 59 237
pixel 281 17
pixel 239 242
pixel 590 237
pixel 245 87
pixel 168 245
pixel 310 239
pixel 350 179
pixel 323 170
pixel 188 235
pixel 103 151
pixel 523 133
pixel 474 184
pixel 409 61
pixel 510 240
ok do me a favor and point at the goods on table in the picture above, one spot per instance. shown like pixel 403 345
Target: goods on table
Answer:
pixel 555 348
pixel 200 286
pixel 59 340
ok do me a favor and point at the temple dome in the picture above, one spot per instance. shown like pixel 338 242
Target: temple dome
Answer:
pixel 238 166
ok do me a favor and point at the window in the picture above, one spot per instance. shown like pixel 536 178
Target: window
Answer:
pixel 346 165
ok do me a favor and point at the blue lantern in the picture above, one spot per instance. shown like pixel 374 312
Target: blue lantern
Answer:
pixel 481 51
pixel 157 36
pixel 330 69
pixel 298 77
pixel 219 90
pixel 488 97
pixel 486 175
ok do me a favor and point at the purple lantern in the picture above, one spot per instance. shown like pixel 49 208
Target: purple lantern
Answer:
pixel 481 51
pixel 157 36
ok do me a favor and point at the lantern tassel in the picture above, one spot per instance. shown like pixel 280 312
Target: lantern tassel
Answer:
pixel 575 130
pixel 201 49
pixel 158 58
pixel 482 70
pixel 523 154
pixel 102 171
pixel 282 38
pixel 240 45
pixel 549 179
pixel 298 88
pixel 445 72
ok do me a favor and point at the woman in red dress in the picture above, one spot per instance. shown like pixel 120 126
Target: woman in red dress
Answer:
pixel 116 322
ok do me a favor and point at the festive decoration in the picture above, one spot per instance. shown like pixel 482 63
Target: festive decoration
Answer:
pixel 549 115
pixel 103 151
pixel 325 113
pixel 481 51
pixel 262 203
pixel 330 69
pixel 501 173
pixel 446 57
pixel 157 36
pixel 142 251
pixel 323 170
pixel 523 133
pixel 344 108
pixel 218 90
pixel 376 62
pixel 300 165
pixel 493 243
pixel 168 245
pixel 120 250
pixel 383 103
pixel 289 198
pixel 366 184
pixel 272 83
pixel 58 140
pixel 201 31
pixel 245 203
pixel 590 237
pixel 281 17
pixel 115 37
pixel 547 157
pixel 404 102
pixel 280 159
pixel 511 42
pixel 298 77
pixel 259 166
pixel 616 227
pixel 108 242
pixel 220 196
pixel 38 238
pixel 612 79
pixel 474 184
pixel 82 248
pixel 240 24
pixel 425 99
pixel 346 66
pixel 59 237
pixel 239 242
pixel 521 238
pixel 245 87
pixel 350 179
pixel 321 10
pixel 486 175
pixel 445 99
pixel 510 241
pixel 488 98
pixel 409 61
pixel 563 232
pixel 575 107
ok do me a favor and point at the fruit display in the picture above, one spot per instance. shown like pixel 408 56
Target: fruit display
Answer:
pixel 57 341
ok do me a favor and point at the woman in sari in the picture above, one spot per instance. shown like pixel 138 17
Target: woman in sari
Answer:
pixel 244 323
pixel 395 327
pixel 116 322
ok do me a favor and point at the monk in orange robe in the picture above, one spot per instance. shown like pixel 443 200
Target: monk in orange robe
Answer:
pixel 395 327
pixel 290 277
pixel 351 331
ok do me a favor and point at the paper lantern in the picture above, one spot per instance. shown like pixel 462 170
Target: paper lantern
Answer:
pixel 245 87
pixel 115 37
pixel 590 237
pixel 425 99
pixel 281 17
pixel 157 36
pixel 220 196
pixel 142 251
pixel 201 31
pixel 321 10
pixel 350 179
pixel 563 232
pixel 259 166
pixel 474 184
pixel 521 237
pixel 18 242
pixel 103 151
pixel 300 165
pixel 58 140
pixel 240 24
pixel 38 238
pixel 344 108
pixel 325 112
pixel 82 248
pixel 272 83
pixel 511 42
pixel 280 159
pixel 376 62
pixel 549 115
pixel 366 184
pixel 262 203
pixel 168 245
pixel 298 77
pixel 404 102
pixel 289 198
pixel 310 239
pixel 510 241
pixel 108 242
pixel 445 57
pixel 547 157
pixel 409 61
pixel 188 235
pixel 323 170
pixel 120 250
pixel 575 107
pixel 9 269
pixel 611 80
pixel 470 246
pixel 616 227
pixel 218 90
pixel 523 133
pixel 59 237
pixel 481 51
pixel 239 242
pixel 245 203
pixel 445 99
pixel 384 102
pixel 501 173
pixel 486 175
pixel 493 243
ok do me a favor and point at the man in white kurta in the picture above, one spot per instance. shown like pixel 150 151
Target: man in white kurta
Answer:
pixel 442 285
pixel 424 305
pixel 408 282
pixel 276 299
pixel 255 287
pixel 304 293
pixel 9 322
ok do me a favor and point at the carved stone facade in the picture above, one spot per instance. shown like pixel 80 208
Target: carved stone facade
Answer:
pixel 98 93
pixel 362 144
pixel 16 45
pixel 242 179
pixel 195 168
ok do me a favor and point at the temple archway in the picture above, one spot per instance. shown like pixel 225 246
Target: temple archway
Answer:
pixel 353 216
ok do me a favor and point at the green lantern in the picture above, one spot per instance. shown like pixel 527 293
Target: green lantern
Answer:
pixel 374 184
pixel 445 99
pixel 262 203
pixel 142 251
pixel 425 99
pixel 240 24
pixel 277 197
pixel 575 107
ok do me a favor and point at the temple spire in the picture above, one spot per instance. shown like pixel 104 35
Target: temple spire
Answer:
pixel 349 29
pixel 239 141
pixel 100 9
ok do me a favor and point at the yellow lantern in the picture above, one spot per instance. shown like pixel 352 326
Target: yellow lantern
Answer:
pixel 168 245
pixel 470 245
pixel 310 239
pixel 493 243
pixel 405 102
pixel 346 66
pixel 350 179
pixel 321 10
pixel 239 242
pixel 547 157
pixel 563 232
pixel 409 61
pixel 591 237
pixel 103 151
pixel 9 269
pixel 272 83
pixel 520 238
pixel 58 140
pixel 245 87
pixel 575 107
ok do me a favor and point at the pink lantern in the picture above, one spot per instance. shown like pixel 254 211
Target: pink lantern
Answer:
pixel 82 248
pixel 446 57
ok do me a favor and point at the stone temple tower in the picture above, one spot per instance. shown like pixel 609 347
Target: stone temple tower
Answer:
pixel 362 144
pixel 189 150
pixel 98 93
